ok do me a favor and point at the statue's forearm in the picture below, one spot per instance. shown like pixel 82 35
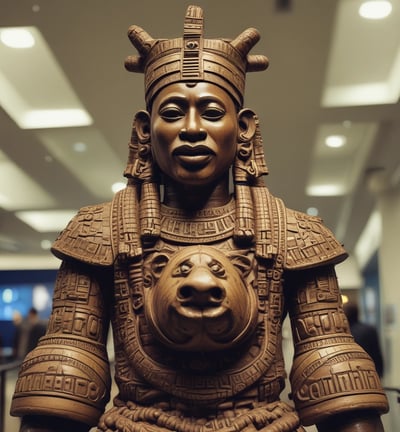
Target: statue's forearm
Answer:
pixel 51 424
pixel 359 421
pixel 331 377
pixel 67 375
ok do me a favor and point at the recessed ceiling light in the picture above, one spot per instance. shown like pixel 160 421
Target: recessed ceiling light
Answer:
pixel 15 37
pixel 325 190
pixel 118 186
pixel 335 141
pixel 54 118
pixel 376 9
pixel 362 84
pixel 46 244
pixel 79 147
pixel 46 99
pixel 312 211
pixel 46 220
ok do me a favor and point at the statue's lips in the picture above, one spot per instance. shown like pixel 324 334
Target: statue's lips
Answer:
pixel 193 156
pixel 187 323
pixel 199 313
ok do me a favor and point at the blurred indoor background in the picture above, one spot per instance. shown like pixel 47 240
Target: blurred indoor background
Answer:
pixel 329 113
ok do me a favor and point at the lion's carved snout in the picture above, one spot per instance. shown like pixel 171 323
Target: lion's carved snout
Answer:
pixel 202 286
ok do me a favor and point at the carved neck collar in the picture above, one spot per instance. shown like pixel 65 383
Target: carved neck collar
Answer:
pixel 202 226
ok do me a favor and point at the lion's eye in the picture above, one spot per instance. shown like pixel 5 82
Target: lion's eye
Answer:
pixel 183 269
pixel 217 269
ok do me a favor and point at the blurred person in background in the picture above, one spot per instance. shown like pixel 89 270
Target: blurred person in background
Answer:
pixel 28 331
pixel 365 335
pixel 20 335
pixel 37 329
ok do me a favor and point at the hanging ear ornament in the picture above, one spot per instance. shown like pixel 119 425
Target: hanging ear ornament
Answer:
pixel 143 174
pixel 250 160
pixel 249 167
pixel 140 165
pixel 244 229
pixel 149 209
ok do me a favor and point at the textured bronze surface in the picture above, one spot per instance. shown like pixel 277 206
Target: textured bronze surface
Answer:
pixel 196 286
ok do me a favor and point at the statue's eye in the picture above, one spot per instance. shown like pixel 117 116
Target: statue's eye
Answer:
pixel 213 112
pixel 217 269
pixel 171 113
pixel 183 269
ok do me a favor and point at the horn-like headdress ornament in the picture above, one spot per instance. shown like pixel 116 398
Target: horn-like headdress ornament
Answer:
pixel 194 58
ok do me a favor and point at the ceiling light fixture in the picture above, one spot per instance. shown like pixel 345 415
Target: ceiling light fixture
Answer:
pixel 352 43
pixel 335 141
pixel 377 9
pixel 54 118
pixel 15 37
pixel 117 186
pixel 79 147
pixel 46 220
pixel 46 244
pixel 325 190
pixel 46 99
pixel 312 211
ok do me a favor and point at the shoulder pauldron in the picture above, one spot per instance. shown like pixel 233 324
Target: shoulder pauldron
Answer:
pixel 87 237
pixel 310 243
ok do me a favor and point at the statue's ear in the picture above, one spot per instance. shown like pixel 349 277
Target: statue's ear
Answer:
pixel 241 262
pixel 158 264
pixel 247 125
pixel 142 126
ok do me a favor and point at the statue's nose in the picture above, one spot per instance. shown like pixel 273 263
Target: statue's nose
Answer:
pixel 192 130
pixel 201 290
pixel 192 134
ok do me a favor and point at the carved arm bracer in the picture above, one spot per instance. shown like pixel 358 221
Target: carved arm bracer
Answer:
pixel 331 374
pixel 67 374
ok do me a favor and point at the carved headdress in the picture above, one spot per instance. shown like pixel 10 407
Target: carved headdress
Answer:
pixel 194 58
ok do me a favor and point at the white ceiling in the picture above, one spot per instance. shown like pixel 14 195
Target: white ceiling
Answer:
pixel 319 51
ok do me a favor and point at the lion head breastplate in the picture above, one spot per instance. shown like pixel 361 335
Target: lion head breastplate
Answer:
pixel 200 299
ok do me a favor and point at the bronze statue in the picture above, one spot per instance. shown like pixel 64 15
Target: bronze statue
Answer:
pixel 196 284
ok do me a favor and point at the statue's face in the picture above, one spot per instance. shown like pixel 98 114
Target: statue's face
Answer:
pixel 194 132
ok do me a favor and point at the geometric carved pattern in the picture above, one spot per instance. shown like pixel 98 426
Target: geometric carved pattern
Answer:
pixel 67 373
pixel 87 237
pixel 327 364
pixel 310 243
